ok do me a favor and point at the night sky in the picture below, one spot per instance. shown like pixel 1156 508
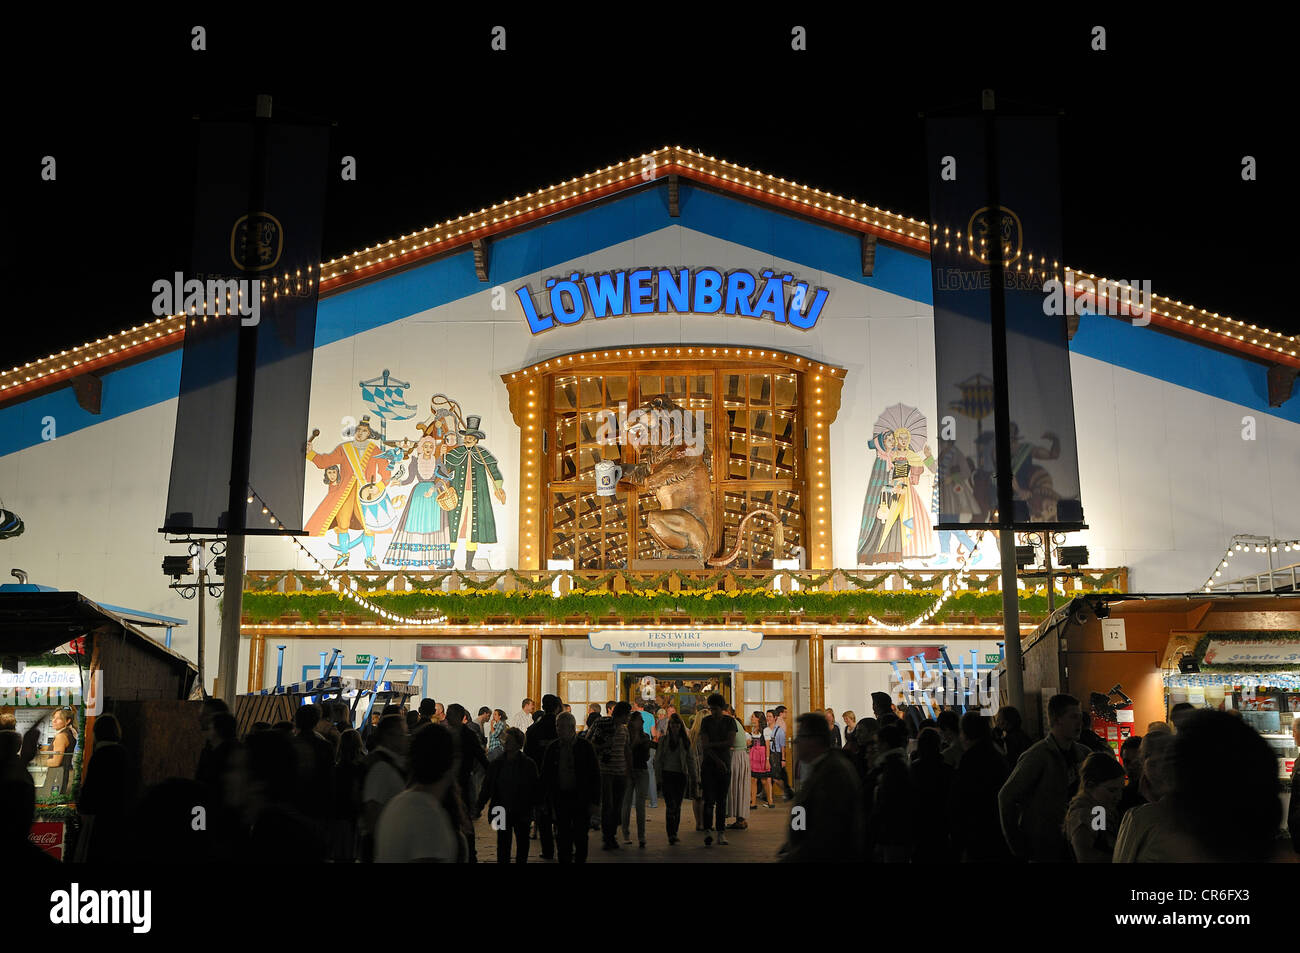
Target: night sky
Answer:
pixel 440 125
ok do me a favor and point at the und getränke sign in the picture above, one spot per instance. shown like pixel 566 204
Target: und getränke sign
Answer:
pixel 615 294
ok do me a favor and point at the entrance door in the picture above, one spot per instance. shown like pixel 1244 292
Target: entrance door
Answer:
pixel 687 692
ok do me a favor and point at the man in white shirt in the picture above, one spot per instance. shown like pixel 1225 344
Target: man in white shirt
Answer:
pixel 415 827
pixel 523 719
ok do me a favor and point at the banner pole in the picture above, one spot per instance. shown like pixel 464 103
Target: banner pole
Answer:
pixel 232 605
pixel 1002 415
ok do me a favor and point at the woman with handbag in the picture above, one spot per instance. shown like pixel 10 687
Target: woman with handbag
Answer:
pixel 759 769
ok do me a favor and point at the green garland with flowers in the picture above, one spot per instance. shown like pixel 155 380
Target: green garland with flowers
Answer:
pixel 751 604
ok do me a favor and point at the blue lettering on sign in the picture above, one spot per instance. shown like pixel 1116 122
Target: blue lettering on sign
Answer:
pixel 778 297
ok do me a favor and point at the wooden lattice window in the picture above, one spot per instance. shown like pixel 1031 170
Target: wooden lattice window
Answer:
pixel 765 422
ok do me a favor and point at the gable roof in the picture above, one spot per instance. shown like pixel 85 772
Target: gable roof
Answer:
pixel 650 169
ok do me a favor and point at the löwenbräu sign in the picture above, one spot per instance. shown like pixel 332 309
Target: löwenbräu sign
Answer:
pixel 615 294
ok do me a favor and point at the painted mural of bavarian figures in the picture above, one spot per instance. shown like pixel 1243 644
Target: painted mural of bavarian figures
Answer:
pixel 360 465
pixel 422 537
pixel 954 499
pixel 1029 481
pixel 473 467
pixel 869 531
pixel 901 526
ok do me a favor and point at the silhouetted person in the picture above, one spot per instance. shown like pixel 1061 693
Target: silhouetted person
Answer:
pixel 892 813
pixel 948 724
pixel 932 780
pixel 1011 736
pixel 1149 832
pixel 278 831
pixel 717 735
pixel 107 795
pixel 349 775
pixel 18 809
pixel 209 708
pixel 1226 789
pixel 570 789
pixel 1293 811
pixel 677 772
pixel 415 826
pixel 1092 818
pixel 315 798
pixel 384 777
pixel 981 773
pixel 514 788
pixel 1032 803
pixel 1179 714
pixel 469 752
pixel 1131 754
pixel 830 798
pixel 541 735
pixel 609 737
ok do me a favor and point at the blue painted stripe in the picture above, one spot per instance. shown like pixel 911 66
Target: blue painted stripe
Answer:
pixel 1179 361
pixel 545 246
pixel 124 391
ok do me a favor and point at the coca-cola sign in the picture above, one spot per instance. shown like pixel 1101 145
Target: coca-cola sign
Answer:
pixel 48 836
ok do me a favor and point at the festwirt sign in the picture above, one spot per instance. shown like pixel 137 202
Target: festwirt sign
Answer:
pixel 614 294
pixel 676 641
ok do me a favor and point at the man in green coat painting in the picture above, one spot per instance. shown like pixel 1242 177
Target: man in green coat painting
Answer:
pixel 473 466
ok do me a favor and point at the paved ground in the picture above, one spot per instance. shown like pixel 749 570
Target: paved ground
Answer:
pixel 759 844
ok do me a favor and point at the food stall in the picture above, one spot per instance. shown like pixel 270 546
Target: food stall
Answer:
pixel 1257 673
pixel 65 659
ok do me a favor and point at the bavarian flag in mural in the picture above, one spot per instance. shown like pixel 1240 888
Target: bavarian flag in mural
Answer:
pixel 1027 227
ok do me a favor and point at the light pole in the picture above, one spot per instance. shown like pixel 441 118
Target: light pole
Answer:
pixel 211 556
pixel 1074 556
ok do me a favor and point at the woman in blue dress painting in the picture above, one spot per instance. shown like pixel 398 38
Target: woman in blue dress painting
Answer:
pixel 422 538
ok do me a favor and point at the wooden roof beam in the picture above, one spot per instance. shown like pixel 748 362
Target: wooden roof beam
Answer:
pixel 1281 384
pixel 480 247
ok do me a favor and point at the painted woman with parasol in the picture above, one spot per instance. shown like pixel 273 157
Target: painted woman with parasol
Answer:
pixel 902 529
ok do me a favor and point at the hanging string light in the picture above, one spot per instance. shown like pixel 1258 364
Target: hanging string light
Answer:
pixel 350 591
pixel 1245 542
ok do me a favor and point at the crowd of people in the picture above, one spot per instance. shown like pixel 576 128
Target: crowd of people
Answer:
pixel 964 788
pixel 893 788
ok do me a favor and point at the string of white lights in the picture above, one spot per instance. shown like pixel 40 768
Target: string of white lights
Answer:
pixel 1244 542
pixel 950 587
pixel 334 583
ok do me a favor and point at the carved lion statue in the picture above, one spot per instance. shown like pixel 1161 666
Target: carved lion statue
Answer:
pixel 685 523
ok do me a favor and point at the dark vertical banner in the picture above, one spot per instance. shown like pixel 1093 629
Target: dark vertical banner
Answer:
pixel 1027 224
pixel 257 245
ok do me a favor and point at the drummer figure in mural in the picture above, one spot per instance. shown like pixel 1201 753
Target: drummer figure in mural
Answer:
pixel 360 465
pixel 422 537
pixel 473 466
